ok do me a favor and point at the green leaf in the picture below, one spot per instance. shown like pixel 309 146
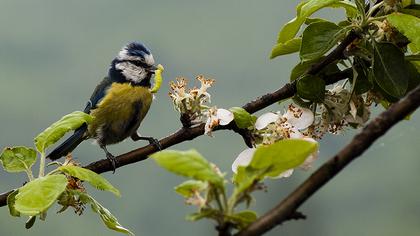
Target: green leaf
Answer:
pixel 318 38
pixel 57 130
pixel 406 3
pixel 361 5
pixel 388 99
pixel 311 87
pixel 189 187
pixel 300 102
pixel 306 9
pixel 414 75
pixel 413 57
pixel 291 28
pixel 18 159
pixel 361 75
pixel 243 218
pixel 304 66
pixel 344 23
pixel 349 7
pixel 271 161
pixel 300 69
pixel 409 26
pixel 204 213
pixel 242 118
pixel 11 199
pixel 416 65
pixel 411 11
pixel 189 164
pixel 38 195
pixel 282 155
pixel 288 47
pixel 109 220
pixel 309 20
pixel 245 177
pixel 93 178
pixel 389 69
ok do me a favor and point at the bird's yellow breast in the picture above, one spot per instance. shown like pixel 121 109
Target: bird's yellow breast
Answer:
pixel 117 108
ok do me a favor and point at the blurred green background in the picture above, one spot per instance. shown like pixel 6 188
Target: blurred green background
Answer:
pixel 53 53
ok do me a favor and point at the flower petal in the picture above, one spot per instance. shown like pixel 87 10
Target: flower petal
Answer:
pixel 353 109
pixel 307 164
pixel 212 120
pixel 243 159
pixel 284 174
pixel 207 127
pixel 299 117
pixel 224 116
pixel 295 133
pixel 266 119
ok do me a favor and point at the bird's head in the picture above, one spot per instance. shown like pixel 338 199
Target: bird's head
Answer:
pixel 134 63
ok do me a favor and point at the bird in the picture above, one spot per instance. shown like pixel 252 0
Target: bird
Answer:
pixel 118 104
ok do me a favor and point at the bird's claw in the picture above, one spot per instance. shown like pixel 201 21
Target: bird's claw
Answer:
pixel 113 161
pixel 156 143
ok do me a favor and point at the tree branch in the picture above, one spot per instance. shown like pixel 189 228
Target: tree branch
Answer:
pixel 224 230
pixel 260 103
pixel 360 143
pixel 297 215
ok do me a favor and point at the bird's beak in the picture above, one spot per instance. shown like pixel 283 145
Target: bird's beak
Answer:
pixel 152 69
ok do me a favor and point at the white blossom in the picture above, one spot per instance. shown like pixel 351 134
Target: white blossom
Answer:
pixel 243 159
pixel 190 101
pixel 307 164
pixel 266 119
pixel 274 127
pixel 285 174
pixel 216 117
pixel 225 116
pixel 296 118
pixel 300 118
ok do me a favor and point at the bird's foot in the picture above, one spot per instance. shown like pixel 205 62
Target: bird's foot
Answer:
pixel 113 161
pixel 136 137
pixel 155 143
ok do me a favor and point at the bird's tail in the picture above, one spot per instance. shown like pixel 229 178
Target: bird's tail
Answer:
pixel 69 145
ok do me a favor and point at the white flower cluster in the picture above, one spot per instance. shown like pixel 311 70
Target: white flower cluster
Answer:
pixel 190 101
pixel 272 127
pixel 193 103
pixel 339 110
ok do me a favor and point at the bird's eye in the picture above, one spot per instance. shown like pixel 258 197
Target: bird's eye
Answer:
pixel 139 63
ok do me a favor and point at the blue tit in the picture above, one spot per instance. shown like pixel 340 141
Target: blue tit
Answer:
pixel 118 104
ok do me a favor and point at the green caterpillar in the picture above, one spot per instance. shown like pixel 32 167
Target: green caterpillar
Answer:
pixel 158 79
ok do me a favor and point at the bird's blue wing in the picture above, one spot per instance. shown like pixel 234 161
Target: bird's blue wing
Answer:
pixel 79 134
pixel 98 94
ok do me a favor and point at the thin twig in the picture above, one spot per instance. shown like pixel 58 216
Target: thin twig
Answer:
pixel 360 143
